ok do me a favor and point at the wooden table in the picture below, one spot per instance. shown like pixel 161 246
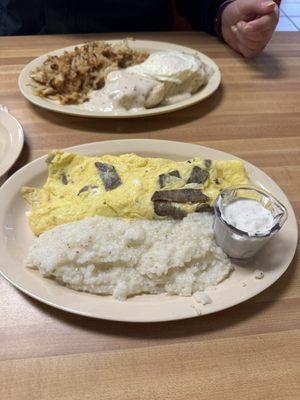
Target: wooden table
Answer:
pixel 250 351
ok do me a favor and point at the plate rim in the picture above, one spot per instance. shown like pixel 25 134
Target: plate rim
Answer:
pixel 48 105
pixel 17 136
pixel 164 318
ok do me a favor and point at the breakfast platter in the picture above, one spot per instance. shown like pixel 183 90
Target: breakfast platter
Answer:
pixel 142 91
pixel 184 186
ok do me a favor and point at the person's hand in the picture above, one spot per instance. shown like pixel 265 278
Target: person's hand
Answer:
pixel 247 25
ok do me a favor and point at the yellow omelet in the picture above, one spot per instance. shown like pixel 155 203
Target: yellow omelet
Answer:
pixel 127 186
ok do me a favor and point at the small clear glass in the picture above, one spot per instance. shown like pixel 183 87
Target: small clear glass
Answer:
pixel 239 244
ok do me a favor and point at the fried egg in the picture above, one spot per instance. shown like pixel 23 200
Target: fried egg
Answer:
pixel 170 66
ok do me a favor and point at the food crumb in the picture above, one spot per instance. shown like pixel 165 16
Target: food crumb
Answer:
pixel 244 284
pixel 202 298
pixel 196 307
pixel 258 274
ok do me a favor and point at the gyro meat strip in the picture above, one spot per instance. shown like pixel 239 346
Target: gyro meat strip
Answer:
pixel 108 175
pixel 198 175
pixel 86 188
pixel 180 196
pixel 204 208
pixel 207 163
pixel 165 209
pixel 164 178
pixel 64 178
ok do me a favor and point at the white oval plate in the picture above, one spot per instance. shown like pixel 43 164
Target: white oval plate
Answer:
pixel 149 46
pixel 11 141
pixel 15 238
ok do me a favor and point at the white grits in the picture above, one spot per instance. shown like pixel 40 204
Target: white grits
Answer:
pixel 124 257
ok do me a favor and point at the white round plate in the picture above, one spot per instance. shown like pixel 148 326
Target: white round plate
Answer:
pixel 11 141
pixel 15 238
pixel 150 46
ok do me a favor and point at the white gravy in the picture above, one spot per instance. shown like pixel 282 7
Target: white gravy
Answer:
pixel 122 91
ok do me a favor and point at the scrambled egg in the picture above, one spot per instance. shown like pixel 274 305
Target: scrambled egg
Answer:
pixel 126 186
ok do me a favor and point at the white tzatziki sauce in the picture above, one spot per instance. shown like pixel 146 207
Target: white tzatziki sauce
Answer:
pixel 249 216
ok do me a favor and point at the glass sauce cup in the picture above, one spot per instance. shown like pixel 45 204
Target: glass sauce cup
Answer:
pixel 239 244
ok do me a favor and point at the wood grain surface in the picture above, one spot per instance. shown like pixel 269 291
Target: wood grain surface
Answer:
pixel 251 351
